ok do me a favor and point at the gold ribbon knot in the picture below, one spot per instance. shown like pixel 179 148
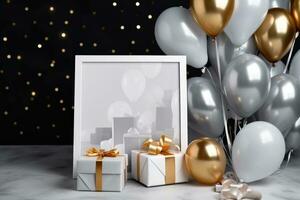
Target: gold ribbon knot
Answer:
pixel 94 152
pixel 161 146
pixel 231 190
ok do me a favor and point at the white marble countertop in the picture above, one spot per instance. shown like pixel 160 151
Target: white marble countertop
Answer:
pixel 45 173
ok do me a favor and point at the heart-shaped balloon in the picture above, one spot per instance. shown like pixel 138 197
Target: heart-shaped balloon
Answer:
pixel 204 108
pixel 275 36
pixel 177 33
pixel 246 18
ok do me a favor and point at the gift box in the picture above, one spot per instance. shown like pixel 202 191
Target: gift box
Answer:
pixel 154 170
pixel 105 174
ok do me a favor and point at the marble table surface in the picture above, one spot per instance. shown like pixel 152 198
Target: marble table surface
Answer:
pixel 45 173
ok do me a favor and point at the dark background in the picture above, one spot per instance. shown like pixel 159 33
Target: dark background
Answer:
pixel 38 41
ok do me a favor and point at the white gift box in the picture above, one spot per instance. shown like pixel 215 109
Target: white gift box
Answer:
pixel 114 173
pixel 154 170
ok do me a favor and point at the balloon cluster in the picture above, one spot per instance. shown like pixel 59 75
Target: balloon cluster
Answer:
pixel 246 82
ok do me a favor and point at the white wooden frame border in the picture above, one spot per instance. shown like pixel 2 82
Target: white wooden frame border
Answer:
pixel 81 59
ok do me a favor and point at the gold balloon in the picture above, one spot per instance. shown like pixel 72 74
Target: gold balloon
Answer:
pixel 295 10
pixel 275 36
pixel 212 15
pixel 205 161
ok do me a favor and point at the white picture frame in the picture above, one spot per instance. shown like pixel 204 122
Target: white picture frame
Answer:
pixel 86 69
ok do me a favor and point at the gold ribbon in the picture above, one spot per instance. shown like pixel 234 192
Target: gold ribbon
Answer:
pixel 162 146
pixel 231 190
pixel 100 154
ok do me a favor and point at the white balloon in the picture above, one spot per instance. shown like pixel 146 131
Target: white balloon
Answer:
pixel 118 109
pixel 133 84
pixel 145 122
pixel 177 33
pixel 151 70
pixel 257 151
pixel 246 18
pixel 153 96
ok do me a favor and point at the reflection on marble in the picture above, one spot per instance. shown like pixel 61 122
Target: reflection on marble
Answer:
pixel 45 172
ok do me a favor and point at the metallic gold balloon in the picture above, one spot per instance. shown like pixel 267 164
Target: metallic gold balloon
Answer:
pixel 212 15
pixel 295 10
pixel 205 161
pixel 275 36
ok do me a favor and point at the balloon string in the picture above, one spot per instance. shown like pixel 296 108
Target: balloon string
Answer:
pixel 229 163
pixel 245 122
pixel 211 78
pixel 210 75
pixel 286 69
pixel 222 100
pixel 286 164
pixel 235 125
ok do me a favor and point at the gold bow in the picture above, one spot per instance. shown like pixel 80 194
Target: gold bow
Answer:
pixel 161 146
pixel 100 154
pixel 231 190
pixel 94 152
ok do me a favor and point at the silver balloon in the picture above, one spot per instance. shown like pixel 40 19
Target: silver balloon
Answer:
pixel 274 68
pixel 280 4
pixel 227 51
pixel 176 33
pixel 282 105
pixel 295 66
pixel 246 84
pixel 204 108
pixel 245 20
pixel 292 140
pixel 258 151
